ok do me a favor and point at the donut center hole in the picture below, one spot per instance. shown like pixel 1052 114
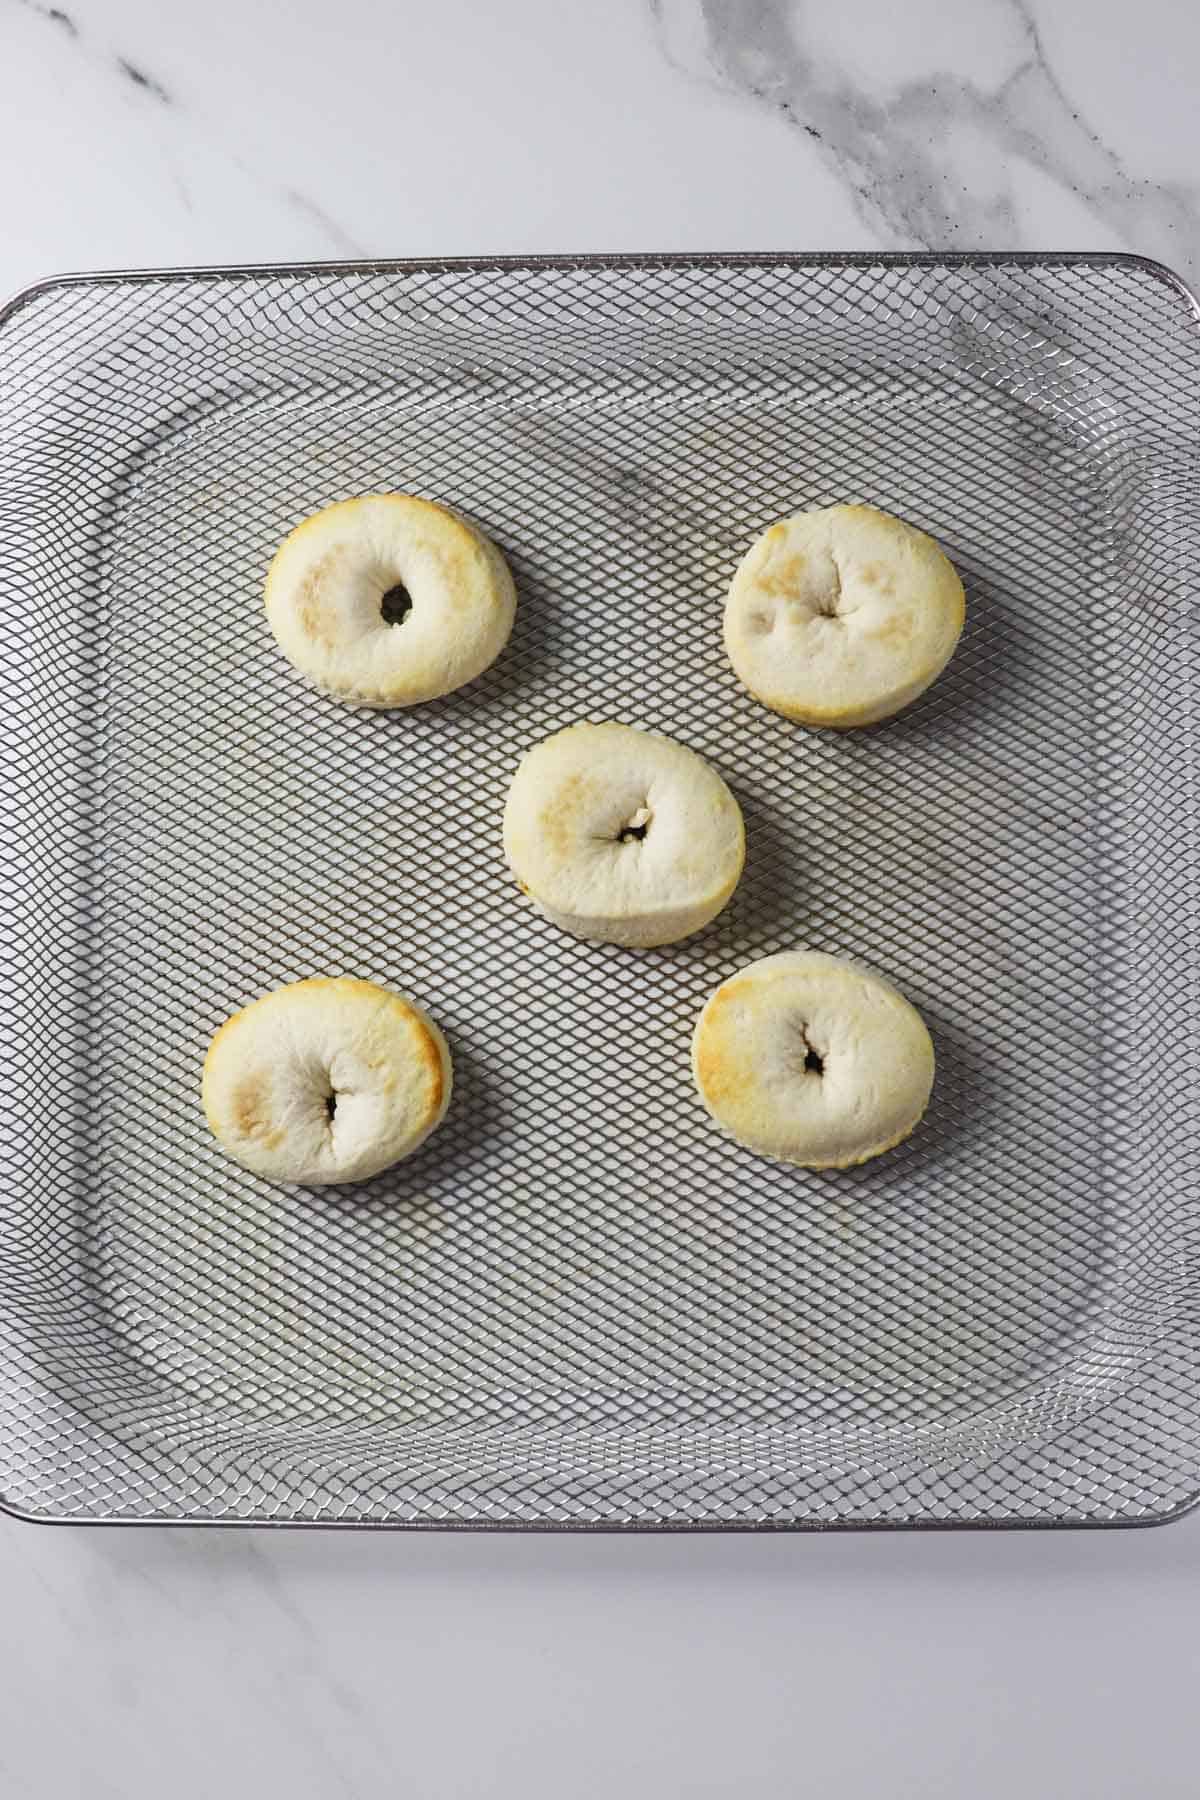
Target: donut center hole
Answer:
pixel 814 1062
pixel 636 828
pixel 396 604
pixel 829 601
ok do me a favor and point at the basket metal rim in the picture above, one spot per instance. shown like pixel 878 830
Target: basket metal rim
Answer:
pixel 158 275
pixel 154 275
pixel 610 1528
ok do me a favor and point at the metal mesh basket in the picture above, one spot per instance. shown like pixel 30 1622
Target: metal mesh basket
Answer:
pixel 579 1304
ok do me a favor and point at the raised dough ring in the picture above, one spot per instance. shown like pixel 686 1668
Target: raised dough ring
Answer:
pixel 812 1060
pixel 388 600
pixel 622 835
pixel 842 616
pixel 326 1081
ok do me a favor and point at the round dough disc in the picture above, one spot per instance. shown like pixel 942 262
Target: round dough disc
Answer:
pixel 810 1059
pixel 388 600
pixel 326 1081
pixel 622 835
pixel 842 616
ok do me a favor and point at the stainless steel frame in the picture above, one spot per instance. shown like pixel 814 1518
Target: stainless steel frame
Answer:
pixel 578 1305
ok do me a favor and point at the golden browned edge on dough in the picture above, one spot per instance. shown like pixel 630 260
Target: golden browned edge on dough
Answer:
pixel 429 1052
pixel 842 721
pixel 850 720
pixel 310 618
pixel 714 1076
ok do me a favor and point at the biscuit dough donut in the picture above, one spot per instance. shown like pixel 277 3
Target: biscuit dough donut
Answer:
pixel 325 1081
pixel 622 835
pixel 812 1060
pixel 388 600
pixel 842 616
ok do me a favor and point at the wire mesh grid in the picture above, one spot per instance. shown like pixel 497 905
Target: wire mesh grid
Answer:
pixel 579 1304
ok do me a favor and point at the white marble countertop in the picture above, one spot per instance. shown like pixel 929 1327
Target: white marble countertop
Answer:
pixel 138 1663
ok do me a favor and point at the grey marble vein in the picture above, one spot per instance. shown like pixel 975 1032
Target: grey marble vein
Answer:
pixel 146 82
pixel 139 77
pixel 131 72
pixel 340 239
pixel 895 150
pixel 54 15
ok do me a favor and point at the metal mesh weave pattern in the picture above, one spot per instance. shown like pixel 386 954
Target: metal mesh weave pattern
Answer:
pixel 579 1304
